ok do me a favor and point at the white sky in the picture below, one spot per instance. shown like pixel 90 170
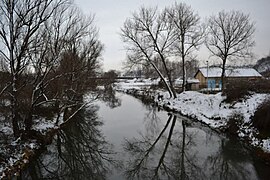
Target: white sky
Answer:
pixel 111 14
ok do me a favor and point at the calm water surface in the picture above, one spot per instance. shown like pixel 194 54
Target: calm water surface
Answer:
pixel 126 139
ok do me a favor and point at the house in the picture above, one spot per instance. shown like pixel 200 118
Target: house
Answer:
pixel 211 77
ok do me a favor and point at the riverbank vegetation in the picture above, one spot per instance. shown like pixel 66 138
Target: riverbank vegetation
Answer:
pixel 236 118
pixel 50 55
pixel 50 59
pixel 236 90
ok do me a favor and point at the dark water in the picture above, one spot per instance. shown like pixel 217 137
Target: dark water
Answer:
pixel 127 139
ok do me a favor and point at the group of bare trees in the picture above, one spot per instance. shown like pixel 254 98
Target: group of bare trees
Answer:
pixel 49 49
pixel 175 32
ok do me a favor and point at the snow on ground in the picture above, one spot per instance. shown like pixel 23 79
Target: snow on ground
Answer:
pixel 206 108
pixel 42 125
pixel 12 150
pixel 136 83
pixel 210 109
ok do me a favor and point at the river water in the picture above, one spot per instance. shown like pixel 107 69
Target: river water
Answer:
pixel 126 139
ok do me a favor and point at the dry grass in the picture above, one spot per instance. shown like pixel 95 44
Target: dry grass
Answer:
pixel 261 118
pixel 237 89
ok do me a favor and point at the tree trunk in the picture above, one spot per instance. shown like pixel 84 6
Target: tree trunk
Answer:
pixel 15 117
pixel 15 125
pixel 28 122
pixel 223 76
pixel 171 85
pixel 163 79
pixel 168 75
pixel 14 94
pixel 183 62
pixel 184 75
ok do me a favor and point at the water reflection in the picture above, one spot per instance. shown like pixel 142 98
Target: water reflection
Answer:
pixel 108 95
pixel 167 147
pixel 180 150
pixel 79 152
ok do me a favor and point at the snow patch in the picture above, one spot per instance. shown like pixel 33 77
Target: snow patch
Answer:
pixel 210 109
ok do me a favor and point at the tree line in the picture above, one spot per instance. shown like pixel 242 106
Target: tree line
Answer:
pixel 48 51
pixel 155 37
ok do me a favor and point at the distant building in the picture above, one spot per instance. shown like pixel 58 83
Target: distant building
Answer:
pixel 191 83
pixel 211 78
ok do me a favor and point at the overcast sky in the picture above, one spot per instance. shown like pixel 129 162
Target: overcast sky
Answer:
pixel 111 14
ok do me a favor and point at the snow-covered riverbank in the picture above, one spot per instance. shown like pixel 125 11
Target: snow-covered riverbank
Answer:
pixel 15 154
pixel 210 109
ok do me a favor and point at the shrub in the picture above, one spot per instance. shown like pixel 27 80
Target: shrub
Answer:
pixel 238 89
pixel 261 118
pixel 234 123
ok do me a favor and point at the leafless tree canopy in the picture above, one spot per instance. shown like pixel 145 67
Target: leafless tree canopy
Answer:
pixel 154 36
pixel 148 36
pixel 48 46
pixel 188 32
pixel 230 35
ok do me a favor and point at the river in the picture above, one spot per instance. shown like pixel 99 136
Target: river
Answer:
pixel 127 139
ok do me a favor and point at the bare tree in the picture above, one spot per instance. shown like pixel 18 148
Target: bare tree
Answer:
pixel 142 153
pixel 38 37
pixel 69 55
pixel 148 36
pixel 19 22
pixel 230 35
pixel 188 32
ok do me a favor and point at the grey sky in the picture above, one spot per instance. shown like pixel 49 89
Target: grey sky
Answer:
pixel 111 14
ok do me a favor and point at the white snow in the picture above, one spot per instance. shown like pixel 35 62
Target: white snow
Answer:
pixel 139 83
pixel 6 130
pixel 135 84
pixel 43 125
pixel 199 106
pixel 212 110
pixel 230 72
pixel 190 80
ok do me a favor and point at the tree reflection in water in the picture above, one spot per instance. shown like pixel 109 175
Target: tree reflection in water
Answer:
pixel 180 151
pixel 108 95
pixel 79 152
pixel 176 149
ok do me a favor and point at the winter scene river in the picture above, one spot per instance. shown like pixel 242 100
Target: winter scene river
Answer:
pixel 143 90
pixel 127 139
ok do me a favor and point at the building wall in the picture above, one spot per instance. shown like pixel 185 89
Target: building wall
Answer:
pixel 201 78
pixel 195 87
pixel 216 80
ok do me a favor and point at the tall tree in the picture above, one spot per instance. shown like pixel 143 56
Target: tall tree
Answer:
pixel 149 36
pixel 19 22
pixel 37 37
pixel 188 32
pixel 230 35
pixel 69 54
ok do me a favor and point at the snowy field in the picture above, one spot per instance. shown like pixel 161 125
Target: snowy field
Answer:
pixel 209 109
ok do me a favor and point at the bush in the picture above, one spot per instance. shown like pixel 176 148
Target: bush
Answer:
pixel 238 89
pixel 261 118
pixel 234 123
